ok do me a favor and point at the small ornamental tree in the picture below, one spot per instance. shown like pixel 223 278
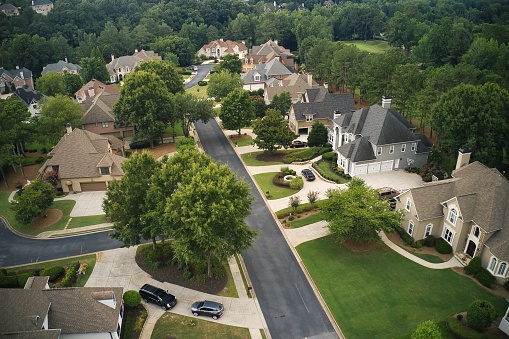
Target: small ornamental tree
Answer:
pixel 294 202
pixel 427 330
pixel 312 197
pixel 34 201
pixel 318 135
pixel 480 314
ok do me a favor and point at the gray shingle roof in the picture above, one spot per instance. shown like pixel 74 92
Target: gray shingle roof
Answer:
pixel 36 283
pixel 78 154
pixel 293 84
pixel 100 109
pixel 60 66
pixel 28 96
pixel 132 61
pixel 271 69
pixel 322 104
pixel 358 150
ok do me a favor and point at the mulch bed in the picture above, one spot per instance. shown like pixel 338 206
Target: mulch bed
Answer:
pixel 52 216
pixel 135 312
pixel 173 275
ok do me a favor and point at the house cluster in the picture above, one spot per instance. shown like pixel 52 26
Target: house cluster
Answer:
pixel 38 311
pixel 118 68
pixel 39 6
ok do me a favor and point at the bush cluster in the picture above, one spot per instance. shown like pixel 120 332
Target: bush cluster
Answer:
pixel 443 246
pixel 407 238
pixel 279 180
pixel 23 277
pixel 7 281
pixel 326 175
pixel 329 156
pixel 485 278
pixel 202 83
pixel 474 266
pixel 480 314
pixel 53 272
pixel 287 171
pixel 297 183
pixel 186 72
pixel 132 298
pixel 457 330
pixel 429 241
pixel 304 154
pixel 412 169
pixel 429 169
pixel 142 143
pixel 70 275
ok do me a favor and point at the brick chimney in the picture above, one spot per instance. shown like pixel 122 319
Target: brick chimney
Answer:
pixel 68 128
pixel 463 157
pixel 386 101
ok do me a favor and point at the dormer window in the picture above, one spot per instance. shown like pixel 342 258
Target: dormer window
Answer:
pixel 379 151
pixel 413 147
pixel 104 170
pixel 105 124
pixel 453 216
pixel 309 118
pixel 257 77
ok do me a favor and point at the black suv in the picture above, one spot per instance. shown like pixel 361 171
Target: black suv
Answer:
pixel 210 308
pixel 152 294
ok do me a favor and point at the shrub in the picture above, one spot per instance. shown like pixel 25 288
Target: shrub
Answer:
pixel 23 277
pixel 53 272
pixel 427 330
pixel 39 160
pixel 429 169
pixel 138 325
pixel 480 314
pixel 279 180
pixel 442 246
pixel 417 244
pixel 128 326
pixel 485 278
pixel 429 241
pixel 304 154
pixel 457 330
pixel 325 149
pixel 506 285
pixel 287 171
pixel 7 281
pixel 297 183
pixel 132 298
pixel 407 238
pixel 3 272
pixel 473 266
pixel 202 83
pixel 142 143
pixel 329 156
pixel 186 73
pixel 70 275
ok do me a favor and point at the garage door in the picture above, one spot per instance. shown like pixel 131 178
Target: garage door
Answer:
pixel 361 169
pixel 374 168
pixel 303 131
pixel 93 186
pixel 387 166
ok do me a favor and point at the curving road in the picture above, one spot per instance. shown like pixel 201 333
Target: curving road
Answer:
pixel 289 305
pixel 203 70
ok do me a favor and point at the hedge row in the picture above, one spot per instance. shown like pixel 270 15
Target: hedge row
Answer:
pixel 304 154
pixel 70 275
pixel 324 174
pixel 462 332
pixel 202 83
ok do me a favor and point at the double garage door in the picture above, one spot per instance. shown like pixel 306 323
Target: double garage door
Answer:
pixel 93 186
pixel 375 167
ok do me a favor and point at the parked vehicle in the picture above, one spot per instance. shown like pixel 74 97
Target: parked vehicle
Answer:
pixel 308 174
pixel 208 308
pixel 387 193
pixel 298 144
pixel 152 294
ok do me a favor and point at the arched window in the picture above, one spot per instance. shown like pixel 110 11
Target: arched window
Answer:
pixel 493 264
pixel 453 215
pixel 410 227
pixel 408 204
pixel 429 228
pixel 476 231
pixel 501 269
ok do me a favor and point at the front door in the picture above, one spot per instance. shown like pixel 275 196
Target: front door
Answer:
pixel 471 248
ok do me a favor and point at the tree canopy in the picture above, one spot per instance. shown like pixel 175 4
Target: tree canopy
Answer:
pixel 237 110
pixel 222 83
pixel 318 135
pixel 55 113
pixel 33 201
pixel 230 63
pixel 51 83
pixel 272 132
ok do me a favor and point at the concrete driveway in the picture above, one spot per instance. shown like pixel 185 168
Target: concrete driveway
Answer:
pixel 87 203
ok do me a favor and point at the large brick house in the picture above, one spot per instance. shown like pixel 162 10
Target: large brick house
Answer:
pixel 219 48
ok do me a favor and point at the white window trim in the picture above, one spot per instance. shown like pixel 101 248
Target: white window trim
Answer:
pixel 410 229
pixel 430 226
pixel 379 151
pixel 504 272
pixel 391 149
pixel 446 228
pixel 413 146
pixel 493 262
pixel 309 118
pixel 453 222
pixel 408 204
pixel 403 148
pixel 257 78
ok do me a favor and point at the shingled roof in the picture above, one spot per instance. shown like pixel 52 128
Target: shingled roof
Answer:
pixel 28 96
pixel 321 104
pixel 79 153
pixel 60 66
pixel 273 68
pixel 100 109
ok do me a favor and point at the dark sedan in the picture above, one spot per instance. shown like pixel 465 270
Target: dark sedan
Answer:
pixel 306 173
pixel 298 144
pixel 209 308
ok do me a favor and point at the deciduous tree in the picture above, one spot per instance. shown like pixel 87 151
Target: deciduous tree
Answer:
pixel 282 103
pixel 72 83
pixel 55 113
pixel 230 63
pixel 34 201
pixel 51 84
pixel 190 109
pixel 272 132
pixel 237 110
pixel 222 83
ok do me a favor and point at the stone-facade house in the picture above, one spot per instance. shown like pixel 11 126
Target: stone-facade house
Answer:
pixel 38 311
pixel 98 116
pixel 377 139
pixel 263 75
pixel 93 88
pixel 42 6
pixel 85 161
pixel 219 48
pixel 118 68
pixel 61 67
pixel 317 104
pixel 469 211
pixel 295 84
pixel 264 53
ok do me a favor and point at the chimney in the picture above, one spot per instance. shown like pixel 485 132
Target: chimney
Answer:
pixel 326 85
pixel 68 128
pixel 386 101
pixel 299 96
pixel 136 50
pixel 65 59
pixel 17 67
pixel 91 91
pixel 275 42
pixel 33 3
pixel 221 39
pixel 112 57
pixel 243 42
pixel 337 114
pixel 310 80
pixel 463 157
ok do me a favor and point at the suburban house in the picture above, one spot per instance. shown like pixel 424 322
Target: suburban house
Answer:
pixel 9 9
pixel 85 161
pixel 469 211
pixel 61 67
pixel 118 68
pixel 219 48
pixel 42 6
pixel 37 311
pixel 18 77
pixel 377 139
pixel 295 84
pixel 264 53
pixel 31 99
pixel 98 116
pixel 93 88
pixel 263 75
pixel 317 104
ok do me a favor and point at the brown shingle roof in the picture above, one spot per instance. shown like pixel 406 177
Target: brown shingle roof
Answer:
pixel 36 283
pixel 100 109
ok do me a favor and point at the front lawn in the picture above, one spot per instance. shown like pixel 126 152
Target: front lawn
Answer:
pixel 262 158
pixel 323 167
pixel 307 220
pixel 172 325
pixel 87 221
pixel 264 180
pixel 380 294
pixel 178 130
pixel 198 91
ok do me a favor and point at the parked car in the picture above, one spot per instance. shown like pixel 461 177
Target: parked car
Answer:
pixel 387 193
pixel 195 68
pixel 209 308
pixel 152 294
pixel 308 174
pixel 298 144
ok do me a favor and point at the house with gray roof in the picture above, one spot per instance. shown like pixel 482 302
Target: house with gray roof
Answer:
pixel 295 84
pixel 9 9
pixel 98 116
pixel 18 77
pixel 377 139
pixel 38 311
pixel 469 211
pixel 263 75
pixel 118 68
pixel 31 99
pixel 85 161
pixel 264 53
pixel 317 104
pixel 42 6
pixel 62 67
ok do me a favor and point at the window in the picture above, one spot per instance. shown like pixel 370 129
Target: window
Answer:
pixel 257 77
pixel 408 204
pixel 122 310
pixel 476 231
pixel 118 330
pixel 413 147
pixel 379 151
pixel 429 227
pixel 501 269
pixel 105 124
pixel 493 264
pixel 391 149
pixel 309 118
pixel 410 227
pixel 453 215
pixel 105 170
pixel 448 235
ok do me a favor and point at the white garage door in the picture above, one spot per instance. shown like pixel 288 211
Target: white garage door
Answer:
pixel 387 165
pixel 361 169
pixel 374 168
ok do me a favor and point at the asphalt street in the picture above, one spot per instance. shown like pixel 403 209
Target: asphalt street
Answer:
pixel 203 70
pixel 289 305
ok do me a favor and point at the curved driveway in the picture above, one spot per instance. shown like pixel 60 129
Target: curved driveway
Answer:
pixel 289 304
pixel 203 70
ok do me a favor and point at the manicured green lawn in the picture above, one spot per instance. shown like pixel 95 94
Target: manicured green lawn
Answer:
pixel 38 146
pixel 198 91
pixel 264 180
pixel 245 142
pixel 230 290
pixel 324 166
pixel 307 221
pixel 250 159
pixel 172 325
pixel 87 221
pixel 428 257
pixel 380 294
pixel 178 130
pixel 372 46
